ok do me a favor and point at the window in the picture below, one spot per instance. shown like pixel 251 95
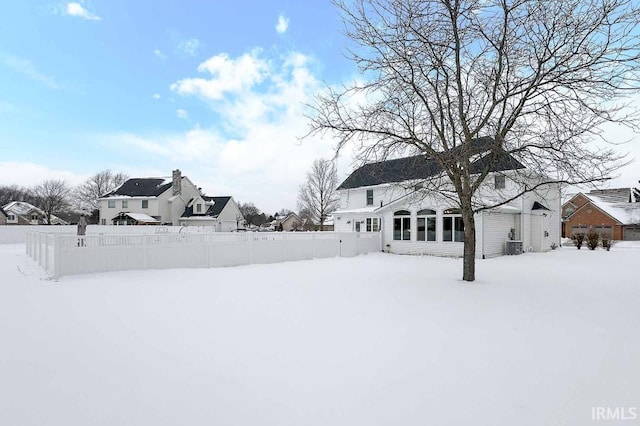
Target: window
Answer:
pixel 369 197
pixel 145 204
pixel 402 225
pixel 103 221
pixel 452 226
pixel 198 208
pixel 125 204
pixel 499 182
pixel 11 217
pixel 111 204
pixel 373 224
pixel 34 217
pixel 426 225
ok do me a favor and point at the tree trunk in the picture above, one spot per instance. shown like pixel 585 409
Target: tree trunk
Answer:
pixel 469 257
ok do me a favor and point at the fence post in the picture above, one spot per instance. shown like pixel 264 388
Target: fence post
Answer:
pixel 57 257
pixel 284 246
pixel 43 262
pixel 208 249
pixel 145 250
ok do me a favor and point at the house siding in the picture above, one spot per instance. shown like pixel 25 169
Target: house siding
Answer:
pixel 495 233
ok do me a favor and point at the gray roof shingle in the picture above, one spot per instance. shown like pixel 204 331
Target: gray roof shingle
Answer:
pixel 141 187
pixel 421 167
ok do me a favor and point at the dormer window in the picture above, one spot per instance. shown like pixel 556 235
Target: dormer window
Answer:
pixel 198 208
pixel 369 197
pixel 499 182
pixel 145 204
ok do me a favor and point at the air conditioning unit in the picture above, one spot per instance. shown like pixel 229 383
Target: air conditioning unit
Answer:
pixel 514 247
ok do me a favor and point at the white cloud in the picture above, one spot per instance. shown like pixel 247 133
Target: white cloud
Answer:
pixel 227 76
pixel 251 148
pixel 76 9
pixel 181 113
pixel 25 67
pixel 189 46
pixel 30 174
pixel 156 96
pixel 159 54
pixel 282 25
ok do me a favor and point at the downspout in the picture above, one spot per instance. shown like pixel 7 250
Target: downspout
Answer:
pixel 522 221
pixel 482 234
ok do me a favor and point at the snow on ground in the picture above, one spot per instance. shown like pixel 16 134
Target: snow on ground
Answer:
pixel 378 339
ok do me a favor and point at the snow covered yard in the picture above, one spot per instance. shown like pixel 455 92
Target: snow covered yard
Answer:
pixel 378 339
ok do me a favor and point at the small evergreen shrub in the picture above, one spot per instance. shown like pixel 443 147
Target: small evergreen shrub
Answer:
pixel 578 239
pixel 593 240
pixel 606 242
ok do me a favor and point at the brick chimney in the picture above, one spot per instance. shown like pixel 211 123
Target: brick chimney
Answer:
pixel 176 184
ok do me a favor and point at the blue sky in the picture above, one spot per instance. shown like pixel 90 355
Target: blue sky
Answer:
pixel 216 88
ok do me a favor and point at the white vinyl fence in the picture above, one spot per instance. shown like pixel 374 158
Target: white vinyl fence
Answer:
pixel 63 254
pixel 12 234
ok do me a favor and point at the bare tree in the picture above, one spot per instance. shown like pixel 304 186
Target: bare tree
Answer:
pixel 317 194
pixel 15 193
pixel 534 80
pixel 252 214
pixel 53 197
pixel 87 194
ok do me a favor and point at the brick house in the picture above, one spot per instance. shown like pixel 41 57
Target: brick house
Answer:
pixel 615 212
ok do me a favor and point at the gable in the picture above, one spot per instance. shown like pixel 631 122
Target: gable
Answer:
pixel 592 206
pixel 213 210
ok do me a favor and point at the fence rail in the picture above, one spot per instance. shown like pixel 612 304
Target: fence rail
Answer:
pixel 64 254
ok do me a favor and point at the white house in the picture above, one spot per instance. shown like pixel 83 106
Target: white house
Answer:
pixel 159 200
pixel 23 213
pixel 380 197
pixel 220 212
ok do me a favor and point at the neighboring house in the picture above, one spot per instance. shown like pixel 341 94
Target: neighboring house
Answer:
pixel 221 212
pixel 161 200
pixel 23 213
pixel 290 222
pixel 314 225
pixel 3 217
pixel 615 212
pixel 382 197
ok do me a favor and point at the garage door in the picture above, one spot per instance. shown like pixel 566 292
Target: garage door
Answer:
pixel 579 229
pixel 631 233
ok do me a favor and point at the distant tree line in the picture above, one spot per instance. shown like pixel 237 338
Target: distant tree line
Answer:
pixel 57 197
